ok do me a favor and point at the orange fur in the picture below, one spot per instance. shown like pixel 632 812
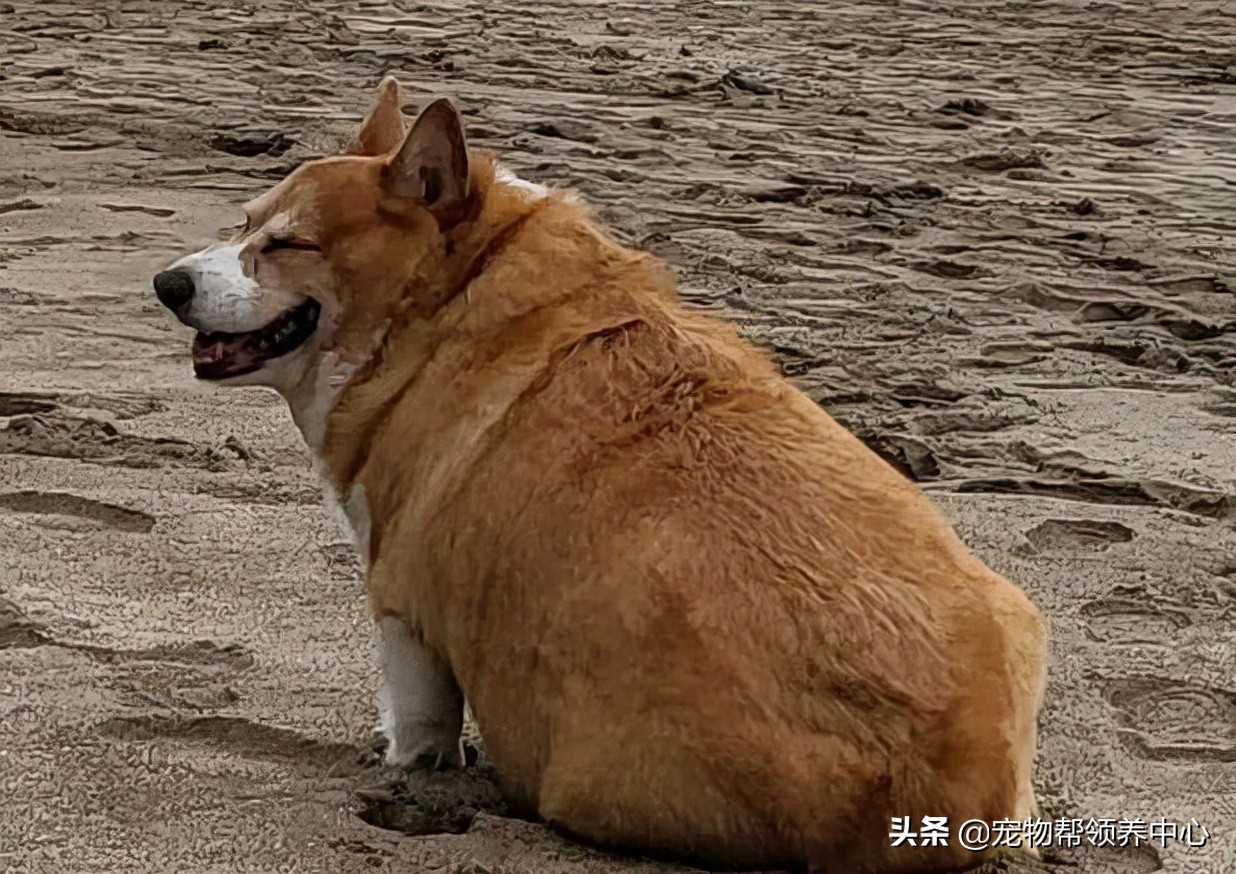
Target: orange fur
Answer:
pixel 690 612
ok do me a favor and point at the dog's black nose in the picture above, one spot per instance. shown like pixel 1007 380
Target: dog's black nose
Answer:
pixel 173 288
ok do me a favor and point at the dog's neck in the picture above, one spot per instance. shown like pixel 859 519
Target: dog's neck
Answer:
pixel 527 280
pixel 341 403
pixel 312 396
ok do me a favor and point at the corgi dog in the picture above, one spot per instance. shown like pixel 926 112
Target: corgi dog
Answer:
pixel 691 614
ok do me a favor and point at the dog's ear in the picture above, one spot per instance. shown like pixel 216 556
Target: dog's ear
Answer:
pixel 431 167
pixel 382 130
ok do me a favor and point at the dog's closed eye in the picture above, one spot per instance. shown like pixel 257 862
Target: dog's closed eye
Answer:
pixel 275 244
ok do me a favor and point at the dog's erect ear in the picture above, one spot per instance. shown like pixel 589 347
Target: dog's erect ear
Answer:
pixel 431 167
pixel 382 130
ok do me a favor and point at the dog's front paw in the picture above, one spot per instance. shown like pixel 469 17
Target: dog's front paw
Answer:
pixel 423 746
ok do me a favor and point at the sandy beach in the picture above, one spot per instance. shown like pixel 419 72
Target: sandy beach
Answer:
pixel 996 240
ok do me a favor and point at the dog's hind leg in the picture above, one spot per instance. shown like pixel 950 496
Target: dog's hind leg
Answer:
pixel 422 705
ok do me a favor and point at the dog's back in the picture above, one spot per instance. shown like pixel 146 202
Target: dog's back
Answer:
pixel 689 610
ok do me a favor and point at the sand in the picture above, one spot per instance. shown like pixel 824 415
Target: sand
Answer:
pixel 995 239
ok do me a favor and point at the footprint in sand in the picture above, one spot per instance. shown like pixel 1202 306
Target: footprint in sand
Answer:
pixel 63 510
pixel 1131 615
pixel 159 211
pixel 23 403
pixel 1170 721
pixel 427 802
pixel 1070 534
pixel 61 435
pixel 18 632
pixel 242 737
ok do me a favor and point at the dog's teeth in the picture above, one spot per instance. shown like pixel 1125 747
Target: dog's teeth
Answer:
pixel 234 351
pixel 284 332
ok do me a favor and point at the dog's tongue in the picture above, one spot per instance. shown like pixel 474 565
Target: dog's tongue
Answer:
pixel 225 352
pixel 207 351
pixel 214 348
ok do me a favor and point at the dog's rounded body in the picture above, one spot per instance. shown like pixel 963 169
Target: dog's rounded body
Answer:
pixel 690 612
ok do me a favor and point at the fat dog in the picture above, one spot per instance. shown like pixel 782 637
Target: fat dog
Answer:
pixel 690 612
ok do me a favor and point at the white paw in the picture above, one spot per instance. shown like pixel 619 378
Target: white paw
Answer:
pixel 419 746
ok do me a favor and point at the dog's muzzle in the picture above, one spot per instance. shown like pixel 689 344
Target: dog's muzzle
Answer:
pixel 223 354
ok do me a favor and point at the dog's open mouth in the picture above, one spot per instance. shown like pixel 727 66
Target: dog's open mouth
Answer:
pixel 220 355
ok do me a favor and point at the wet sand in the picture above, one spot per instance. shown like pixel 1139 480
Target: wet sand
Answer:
pixel 997 240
